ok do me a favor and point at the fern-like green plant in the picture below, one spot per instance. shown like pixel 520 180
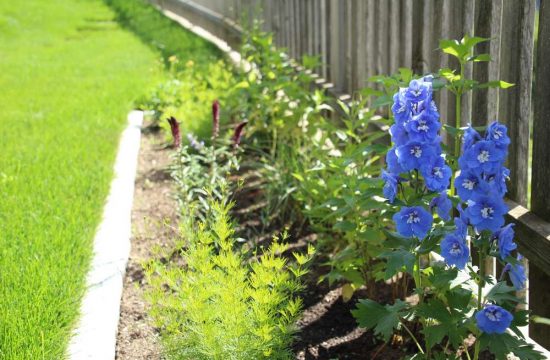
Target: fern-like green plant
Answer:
pixel 219 306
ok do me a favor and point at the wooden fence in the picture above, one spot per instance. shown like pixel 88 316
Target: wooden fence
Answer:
pixel 356 39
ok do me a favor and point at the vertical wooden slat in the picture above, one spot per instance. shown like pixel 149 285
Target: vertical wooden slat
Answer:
pixel 395 45
pixel 291 29
pixel 382 37
pixel 371 39
pixel 324 36
pixel 539 296
pixel 288 26
pixel 347 40
pixel 268 21
pixel 361 43
pixel 416 36
pixel 299 34
pixel 427 32
pixel 310 27
pixel 406 38
pixel 335 55
pixel 515 103
pixel 468 21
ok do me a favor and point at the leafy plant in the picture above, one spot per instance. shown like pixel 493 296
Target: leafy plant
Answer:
pixel 217 306
pixel 283 113
pixel 198 167
pixel 455 299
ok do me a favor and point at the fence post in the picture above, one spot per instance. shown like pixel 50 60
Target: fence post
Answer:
pixel 516 65
pixel 539 295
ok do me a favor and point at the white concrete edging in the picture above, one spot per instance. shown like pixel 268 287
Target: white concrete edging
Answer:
pixel 96 333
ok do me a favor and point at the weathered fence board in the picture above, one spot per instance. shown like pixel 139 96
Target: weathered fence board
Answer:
pixel 540 186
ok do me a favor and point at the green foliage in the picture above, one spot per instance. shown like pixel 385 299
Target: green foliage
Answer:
pixel 196 170
pixel 187 95
pixel 218 306
pixel 283 114
pixel 383 319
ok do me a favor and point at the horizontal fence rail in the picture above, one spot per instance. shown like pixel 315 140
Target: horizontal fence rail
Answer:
pixel 356 39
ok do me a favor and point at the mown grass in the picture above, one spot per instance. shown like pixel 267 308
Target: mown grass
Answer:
pixel 69 73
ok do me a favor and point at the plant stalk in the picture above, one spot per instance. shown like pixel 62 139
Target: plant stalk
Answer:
pixel 414 338
pixel 480 285
pixel 458 122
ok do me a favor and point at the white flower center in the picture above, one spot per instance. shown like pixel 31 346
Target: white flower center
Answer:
pixel 416 151
pixel 468 184
pixel 423 126
pixel 417 92
pixel 486 212
pixel 437 172
pixel 402 108
pixel 483 156
pixel 493 315
pixel 413 218
pixel 456 250
pixel 498 134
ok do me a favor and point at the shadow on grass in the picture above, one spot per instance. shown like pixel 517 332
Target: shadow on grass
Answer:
pixel 162 34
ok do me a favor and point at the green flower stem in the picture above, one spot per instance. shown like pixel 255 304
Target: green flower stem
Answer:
pixel 418 278
pixel 458 112
pixel 413 337
pixel 480 284
pixel 418 284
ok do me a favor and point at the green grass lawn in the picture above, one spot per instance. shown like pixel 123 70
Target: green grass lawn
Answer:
pixel 69 74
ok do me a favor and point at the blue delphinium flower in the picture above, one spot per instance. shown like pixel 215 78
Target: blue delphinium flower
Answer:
pixel 443 206
pixel 461 227
pixel 469 138
pixel 392 162
pixel 401 107
pixel 505 240
pixel 390 185
pixel 413 221
pixel 414 153
pixel 399 134
pixel 517 273
pixel 423 128
pixel 418 90
pixel 498 134
pixel 493 319
pixel 495 182
pixel 486 212
pixel 482 156
pixel 466 184
pixel 436 174
pixel 455 250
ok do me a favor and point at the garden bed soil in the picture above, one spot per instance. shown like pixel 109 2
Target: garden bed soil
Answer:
pixel 153 216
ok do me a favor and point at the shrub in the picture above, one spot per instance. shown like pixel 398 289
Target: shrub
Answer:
pixel 216 305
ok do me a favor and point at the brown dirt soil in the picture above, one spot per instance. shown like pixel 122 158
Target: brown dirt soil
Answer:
pixel 153 216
